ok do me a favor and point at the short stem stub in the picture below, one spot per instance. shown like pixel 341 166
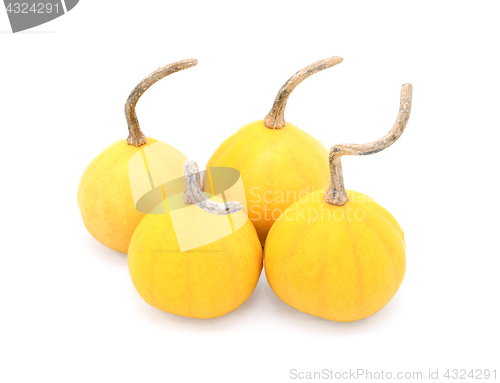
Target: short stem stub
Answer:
pixel 192 180
pixel 194 193
pixel 275 119
pixel 335 194
pixel 136 137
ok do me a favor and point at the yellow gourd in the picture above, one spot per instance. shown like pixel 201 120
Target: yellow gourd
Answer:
pixel 207 281
pixel 104 193
pixel 337 254
pixel 278 162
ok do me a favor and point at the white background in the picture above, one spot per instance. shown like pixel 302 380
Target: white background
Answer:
pixel 69 311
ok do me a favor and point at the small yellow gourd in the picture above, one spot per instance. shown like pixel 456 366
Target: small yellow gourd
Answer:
pixel 207 281
pixel 278 162
pixel 337 254
pixel 104 193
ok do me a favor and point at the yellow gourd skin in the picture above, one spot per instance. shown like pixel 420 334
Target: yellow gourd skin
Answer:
pixel 105 197
pixel 278 166
pixel 346 264
pixel 205 282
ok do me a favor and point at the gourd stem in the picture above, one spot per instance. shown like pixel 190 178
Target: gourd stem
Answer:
pixel 335 194
pixel 275 119
pixel 136 137
pixel 194 193
pixel 192 172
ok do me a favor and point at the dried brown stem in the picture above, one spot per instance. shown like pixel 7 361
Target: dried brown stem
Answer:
pixel 194 193
pixel 335 194
pixel 192 172
pixel 136 137
pixel 275 119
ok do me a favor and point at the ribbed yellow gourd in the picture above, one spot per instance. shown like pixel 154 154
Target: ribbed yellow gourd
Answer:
pixel 206 281
pixel 341 263
pixel 278 161
pixel 273 169
pixel 104 194
pixel 337 254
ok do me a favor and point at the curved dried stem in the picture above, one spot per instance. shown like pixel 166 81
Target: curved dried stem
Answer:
pixel 136 137
pixel 335 194
pixel 194 193
pixel 275 119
